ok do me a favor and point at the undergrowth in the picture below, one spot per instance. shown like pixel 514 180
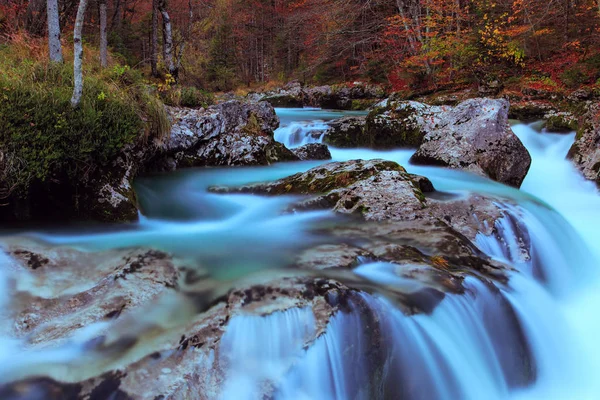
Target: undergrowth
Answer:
pixel 42 134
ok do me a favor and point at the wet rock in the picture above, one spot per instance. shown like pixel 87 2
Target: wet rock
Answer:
pixel 530 110
pixel 585 152
pixel 143 350
pixel 390 125
pixel 312 151
pixel 58 292
pixel 404 225
pixel 475 136
pixel 231 133
pixel 347 132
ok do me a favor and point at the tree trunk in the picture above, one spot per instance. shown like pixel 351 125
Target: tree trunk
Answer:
pixel 54 46
pixel 103 35
pixel 117 17
pixel 154 39
pixel 78 54
pixel 35 18
pixel 168 38
pixel 188 35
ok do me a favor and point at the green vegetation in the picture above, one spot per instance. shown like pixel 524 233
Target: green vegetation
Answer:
pixel 42 135
pixel 186 96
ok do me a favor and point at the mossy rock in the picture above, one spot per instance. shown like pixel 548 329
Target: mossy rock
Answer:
pixel 320 180
pixel 561 123
pixel 383 128
pixel 284 101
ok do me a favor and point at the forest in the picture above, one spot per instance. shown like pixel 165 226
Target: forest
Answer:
pixel 406 45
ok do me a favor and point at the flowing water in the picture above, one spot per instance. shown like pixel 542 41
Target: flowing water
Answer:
pixel 533 338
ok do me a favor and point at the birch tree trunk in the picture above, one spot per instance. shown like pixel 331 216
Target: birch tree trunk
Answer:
pixel 168 38
pixel 103 35
pixel 154 40
pixel 78 54
pixel 54 46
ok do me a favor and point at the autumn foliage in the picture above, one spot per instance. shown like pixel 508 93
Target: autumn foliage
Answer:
pixel 409 45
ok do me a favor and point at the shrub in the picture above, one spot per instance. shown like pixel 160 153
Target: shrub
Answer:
pixel 192 97
pixel 47 136
pixel 574 77
pixel 186 96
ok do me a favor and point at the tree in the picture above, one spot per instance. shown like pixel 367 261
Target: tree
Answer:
pixel 168 38
pixel 154 39
pixel 54 46
pixel 78 54
pixel 103 36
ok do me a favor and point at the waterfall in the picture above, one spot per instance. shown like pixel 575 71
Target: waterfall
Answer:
pixel 298 134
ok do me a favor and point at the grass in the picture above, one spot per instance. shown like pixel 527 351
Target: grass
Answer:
pixel 42 135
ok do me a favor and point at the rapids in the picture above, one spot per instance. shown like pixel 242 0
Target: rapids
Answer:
pixel 533 338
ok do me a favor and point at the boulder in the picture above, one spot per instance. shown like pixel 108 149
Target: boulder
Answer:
pixel 585 152
pixel 104 192
pixel 231 133
pixel 389 125
pixel 312 151
pixel 475 136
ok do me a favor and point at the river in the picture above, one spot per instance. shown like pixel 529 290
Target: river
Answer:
pixel 463 350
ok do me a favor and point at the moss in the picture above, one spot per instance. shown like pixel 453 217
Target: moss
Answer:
pixel 361 104
pixel 393 128
pixel 559 123
pixel 41 128
pixel 285 101
pixel 253 127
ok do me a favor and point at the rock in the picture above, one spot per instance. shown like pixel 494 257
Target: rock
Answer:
pixel 585 152
pixel 392 125
pixel 581 94
pixel 284 100
pixel 403 225
pixel 312 151
pixel 347 132
pixel 358 96
pixel 558 122
pixel 59 293
pixel 475 136
pixel 103 193
pixel 135 307
pixel 530 110
pixel 230 133
pixel 377 190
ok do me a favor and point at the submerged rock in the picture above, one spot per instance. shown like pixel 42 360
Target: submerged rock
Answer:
pixel 475 136
pixel 312 151
pixel 585 152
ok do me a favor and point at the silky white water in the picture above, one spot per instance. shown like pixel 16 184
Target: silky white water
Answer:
pixel 533 338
